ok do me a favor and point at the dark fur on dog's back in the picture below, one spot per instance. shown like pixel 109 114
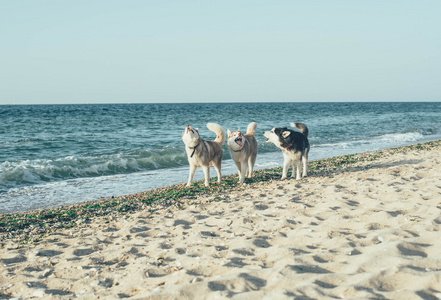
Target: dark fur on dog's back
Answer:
pixel 294 145
pixel 294 141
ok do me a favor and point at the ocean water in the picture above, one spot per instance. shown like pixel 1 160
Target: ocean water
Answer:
pixel 53 155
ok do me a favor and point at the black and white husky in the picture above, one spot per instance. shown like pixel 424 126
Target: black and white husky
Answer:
pixel 294 146
pixel 201 153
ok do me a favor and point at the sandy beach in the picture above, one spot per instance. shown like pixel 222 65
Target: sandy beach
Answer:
pixel 365 232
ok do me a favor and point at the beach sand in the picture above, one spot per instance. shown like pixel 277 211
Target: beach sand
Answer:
pixel 367 232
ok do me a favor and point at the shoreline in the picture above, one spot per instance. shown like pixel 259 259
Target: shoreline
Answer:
pixel 32 226
pixel 360 226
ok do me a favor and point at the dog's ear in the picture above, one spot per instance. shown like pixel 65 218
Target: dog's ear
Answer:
pixel 228 132
pixel 286 134
pixel 197 129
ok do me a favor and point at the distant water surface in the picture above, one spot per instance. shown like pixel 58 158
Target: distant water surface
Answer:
pixel 52 155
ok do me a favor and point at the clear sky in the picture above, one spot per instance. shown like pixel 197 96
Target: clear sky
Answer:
pixel 129 51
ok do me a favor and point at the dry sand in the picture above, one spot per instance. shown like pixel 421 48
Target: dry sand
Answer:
pixel 372 233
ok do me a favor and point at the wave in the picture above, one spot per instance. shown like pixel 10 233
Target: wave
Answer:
pixel 392 138
pixel 368 144
pixel 30 172
pixel 399 138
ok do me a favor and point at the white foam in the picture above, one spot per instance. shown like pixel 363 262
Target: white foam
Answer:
pixel 399 138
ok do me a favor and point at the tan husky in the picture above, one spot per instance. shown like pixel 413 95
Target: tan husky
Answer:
pixel 201 153
pixel 243 150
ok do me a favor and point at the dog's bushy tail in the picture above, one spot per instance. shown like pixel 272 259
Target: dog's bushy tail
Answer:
pixel 302 127
pixel 251 129
pixel 220 133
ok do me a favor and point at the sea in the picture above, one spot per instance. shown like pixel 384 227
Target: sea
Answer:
pixel 56 155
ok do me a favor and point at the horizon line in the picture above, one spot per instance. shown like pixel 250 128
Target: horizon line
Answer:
pixel 219 102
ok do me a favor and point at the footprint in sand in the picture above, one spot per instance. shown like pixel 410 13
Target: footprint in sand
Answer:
pixel 83 252
pixel 48 253
pixel 261 243
pixel 139 229
pixel 300 269
pixel 244 252
pixel 412 249
pixel 186 224
pixel 157 273
pixel 14 260
pixel 243 283
pixel 261 207
pixel 319 259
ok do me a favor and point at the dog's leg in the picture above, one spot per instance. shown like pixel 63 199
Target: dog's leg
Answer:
pixel 250 167
pixel 243 172
pixel 286 165
pixel 305 173
pixel 218 166
pixel 305 163
pixel 293 168
pixel 206 170
pixel 191 175
pixel 239 169
pixel 297 169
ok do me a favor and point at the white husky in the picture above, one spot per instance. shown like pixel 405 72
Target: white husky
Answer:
pixel 201 153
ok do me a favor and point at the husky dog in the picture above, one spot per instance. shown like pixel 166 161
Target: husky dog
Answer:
pixel 201 153
pixel 243 150
pixel 294 145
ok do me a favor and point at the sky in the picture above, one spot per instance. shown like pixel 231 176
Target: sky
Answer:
pixel 148 51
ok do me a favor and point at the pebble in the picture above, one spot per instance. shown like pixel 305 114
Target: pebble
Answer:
pixel 196 279
pixel 7 286
pixel 95 283
pixel 39 293
pixel 47 272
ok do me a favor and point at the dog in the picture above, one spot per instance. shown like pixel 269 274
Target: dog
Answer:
pixel 243 150
pixel 201 153
pixel 295 147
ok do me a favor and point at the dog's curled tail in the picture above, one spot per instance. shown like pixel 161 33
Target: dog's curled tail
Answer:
pixel 302 127
pixel 251 129
pixel 220 133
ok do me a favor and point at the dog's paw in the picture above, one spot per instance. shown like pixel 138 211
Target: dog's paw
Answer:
pixel 283 178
